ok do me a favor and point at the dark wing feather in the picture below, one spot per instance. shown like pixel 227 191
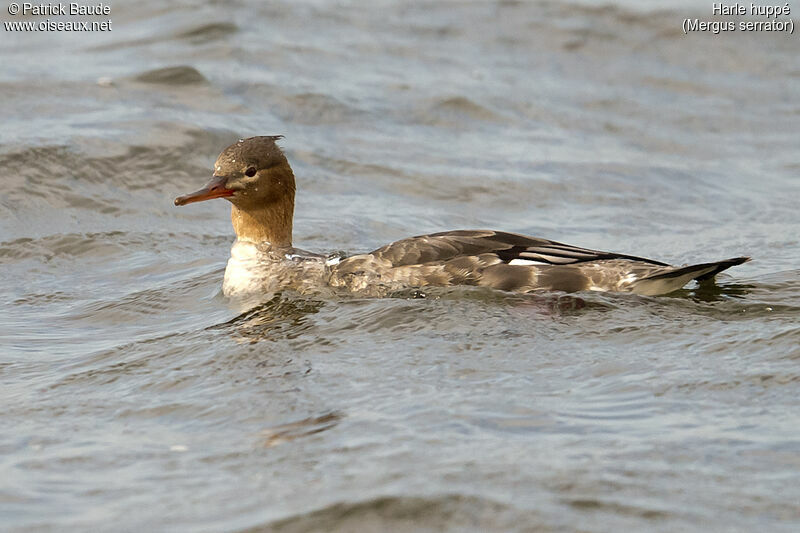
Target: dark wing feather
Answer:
pixel 507 246
pixel 556 253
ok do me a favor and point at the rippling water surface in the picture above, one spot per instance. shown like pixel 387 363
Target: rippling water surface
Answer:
pixel 135 397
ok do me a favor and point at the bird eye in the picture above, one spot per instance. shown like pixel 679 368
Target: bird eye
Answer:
pixel 250 172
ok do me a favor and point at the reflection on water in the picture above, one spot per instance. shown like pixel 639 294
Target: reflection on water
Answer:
pixel 283 433
pixel 282 316
pixel 710 291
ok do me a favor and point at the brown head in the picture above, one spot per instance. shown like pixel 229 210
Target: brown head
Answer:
pixel 254 175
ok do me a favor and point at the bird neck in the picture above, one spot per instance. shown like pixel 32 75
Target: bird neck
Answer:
pixel 271 223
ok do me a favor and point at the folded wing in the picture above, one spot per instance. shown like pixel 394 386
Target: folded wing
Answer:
pixel 512 262
pixel 510 248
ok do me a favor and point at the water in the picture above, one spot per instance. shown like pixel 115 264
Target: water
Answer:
pixel 135 397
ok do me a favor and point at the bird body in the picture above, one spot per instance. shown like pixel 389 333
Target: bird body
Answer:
pixel 256 178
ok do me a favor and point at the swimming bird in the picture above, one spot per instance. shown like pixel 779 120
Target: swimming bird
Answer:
pixel 255 177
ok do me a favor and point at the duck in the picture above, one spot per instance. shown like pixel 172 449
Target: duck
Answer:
pixel 254 175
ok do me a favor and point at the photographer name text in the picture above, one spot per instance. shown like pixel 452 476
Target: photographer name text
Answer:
pixel 59 8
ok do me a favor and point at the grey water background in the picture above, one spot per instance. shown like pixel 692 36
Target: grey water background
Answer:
pixel 135 397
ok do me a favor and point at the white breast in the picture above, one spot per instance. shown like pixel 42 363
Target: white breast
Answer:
pixel 243 275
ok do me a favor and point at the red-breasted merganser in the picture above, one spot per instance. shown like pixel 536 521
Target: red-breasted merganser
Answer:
pixel 254 175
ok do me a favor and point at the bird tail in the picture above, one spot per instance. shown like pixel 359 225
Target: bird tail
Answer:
pixel 677 277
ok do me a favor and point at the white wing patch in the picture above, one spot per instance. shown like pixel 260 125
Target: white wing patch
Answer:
pixel 525 262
